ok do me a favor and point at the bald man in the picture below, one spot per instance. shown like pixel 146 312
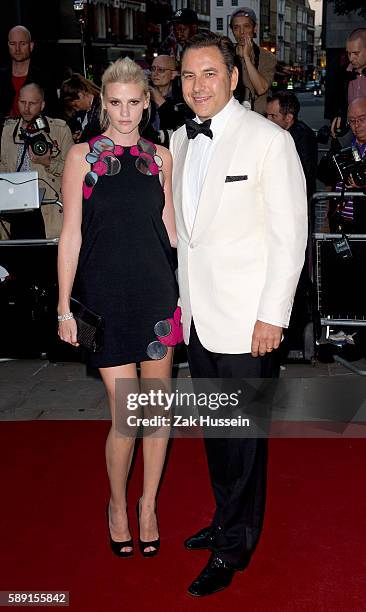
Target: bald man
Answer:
pixel 353 84
pixel 17 156
pixel 21 70
pixel 163 71
pixel 169 109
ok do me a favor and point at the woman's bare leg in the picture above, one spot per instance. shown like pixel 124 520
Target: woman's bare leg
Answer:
pixel 154 451
pixel 119 451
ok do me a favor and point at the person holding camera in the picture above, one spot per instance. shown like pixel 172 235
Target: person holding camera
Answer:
pixel 35 142
pixel 349 172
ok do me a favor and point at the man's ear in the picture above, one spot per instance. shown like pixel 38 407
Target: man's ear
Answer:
pixel 31 46
pixel 234 78
pixel 43 105
pixel 290 118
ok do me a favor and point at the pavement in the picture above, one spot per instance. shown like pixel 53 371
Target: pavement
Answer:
pixel 38 389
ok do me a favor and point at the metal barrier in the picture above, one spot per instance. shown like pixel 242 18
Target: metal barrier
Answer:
pixel 349 366
pixel 339 301
pixel 319 206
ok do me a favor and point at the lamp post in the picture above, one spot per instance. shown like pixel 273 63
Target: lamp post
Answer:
pixel 79 9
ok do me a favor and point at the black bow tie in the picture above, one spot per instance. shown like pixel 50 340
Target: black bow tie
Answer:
pixel 193 128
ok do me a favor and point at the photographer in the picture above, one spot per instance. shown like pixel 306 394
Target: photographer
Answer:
pixel 38 143
pixel 349 172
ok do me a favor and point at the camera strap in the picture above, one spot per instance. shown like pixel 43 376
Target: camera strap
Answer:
pixel 21 162
pixel 19 142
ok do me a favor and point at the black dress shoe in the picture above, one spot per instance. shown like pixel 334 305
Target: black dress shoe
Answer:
pixel 201 540
pixel 217 575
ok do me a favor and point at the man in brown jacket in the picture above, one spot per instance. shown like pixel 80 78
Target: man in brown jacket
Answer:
pixel 257 65
pixel 17 155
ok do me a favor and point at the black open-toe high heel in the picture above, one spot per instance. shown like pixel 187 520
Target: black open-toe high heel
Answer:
pixel 116 546
pixel 155 544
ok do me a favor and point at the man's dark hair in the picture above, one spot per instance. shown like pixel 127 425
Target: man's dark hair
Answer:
pixel 287 101
pixel 210 39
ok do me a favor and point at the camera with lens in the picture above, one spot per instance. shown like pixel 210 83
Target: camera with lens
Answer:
pixel 349 163
pixel 33 135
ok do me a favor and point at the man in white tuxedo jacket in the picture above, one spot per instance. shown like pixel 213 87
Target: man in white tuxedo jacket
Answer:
pixel 240 204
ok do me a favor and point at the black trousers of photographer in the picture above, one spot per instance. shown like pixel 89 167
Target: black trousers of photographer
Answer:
pixel 237 466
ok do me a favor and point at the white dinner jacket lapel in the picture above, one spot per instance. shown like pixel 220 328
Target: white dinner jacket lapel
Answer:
pixel 217 171
pixel 180 161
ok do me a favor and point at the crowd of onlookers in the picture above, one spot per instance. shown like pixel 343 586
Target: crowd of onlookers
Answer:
pixel 71 113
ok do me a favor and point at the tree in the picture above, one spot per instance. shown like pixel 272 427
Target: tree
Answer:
pixel 343 7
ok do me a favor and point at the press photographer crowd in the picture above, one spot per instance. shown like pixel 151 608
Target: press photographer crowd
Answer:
pixel 41 120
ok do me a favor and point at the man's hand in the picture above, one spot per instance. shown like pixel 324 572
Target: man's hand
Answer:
pixel 156 96
pixel 336 123
pixel 245 50
pixel 352 185
pixel 44 160
pixel 266 338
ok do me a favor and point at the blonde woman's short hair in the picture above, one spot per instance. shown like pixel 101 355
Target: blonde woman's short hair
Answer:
pixel 124 70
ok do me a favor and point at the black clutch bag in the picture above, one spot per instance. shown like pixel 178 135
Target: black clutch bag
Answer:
pixel 90 326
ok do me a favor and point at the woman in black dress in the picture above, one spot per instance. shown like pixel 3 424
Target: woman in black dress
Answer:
pixel 116 245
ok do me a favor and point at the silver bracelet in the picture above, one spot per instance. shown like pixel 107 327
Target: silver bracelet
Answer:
pixel 65 317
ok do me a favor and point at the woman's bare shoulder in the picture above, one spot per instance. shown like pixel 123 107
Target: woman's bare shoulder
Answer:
pixel 78 152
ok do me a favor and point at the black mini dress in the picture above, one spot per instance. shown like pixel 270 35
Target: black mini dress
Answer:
pixel 126 271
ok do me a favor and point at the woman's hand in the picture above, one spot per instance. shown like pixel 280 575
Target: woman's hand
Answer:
pixel 67 330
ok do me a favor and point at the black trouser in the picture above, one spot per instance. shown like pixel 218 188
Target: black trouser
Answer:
pixel 237 466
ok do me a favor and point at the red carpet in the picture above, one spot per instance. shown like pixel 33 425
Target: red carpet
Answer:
pixel 53 535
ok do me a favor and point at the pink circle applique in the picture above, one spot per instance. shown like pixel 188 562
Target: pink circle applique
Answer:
pixel 87 191
pixel 100 167
pixel 118 150
pixel 134 151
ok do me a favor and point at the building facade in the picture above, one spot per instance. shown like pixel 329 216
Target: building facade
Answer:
pixel 296 28
pixel 268 25
pixel 202 8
